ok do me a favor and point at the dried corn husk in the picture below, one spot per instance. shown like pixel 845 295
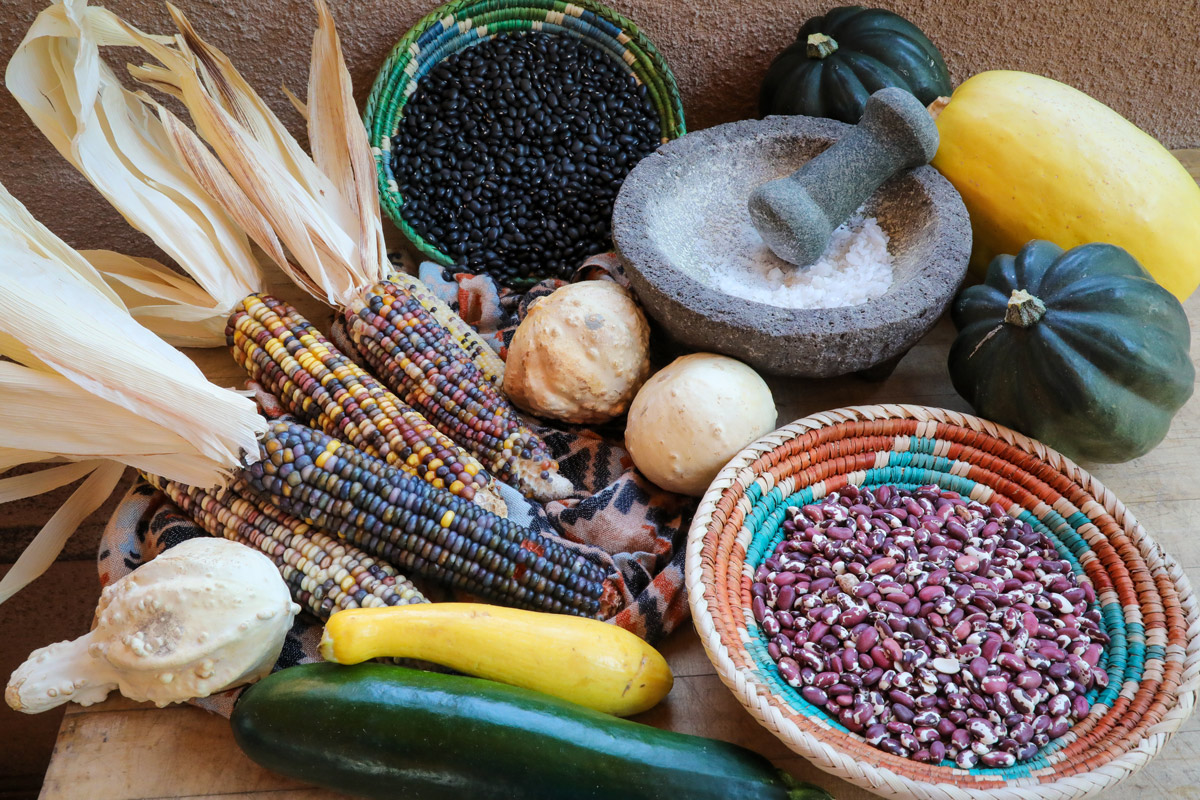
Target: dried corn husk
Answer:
pixel 117 143
pixel 81 381
pixel 316 217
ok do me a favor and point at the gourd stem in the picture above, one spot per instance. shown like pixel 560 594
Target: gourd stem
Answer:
pixel 1024 310
pixel 819 45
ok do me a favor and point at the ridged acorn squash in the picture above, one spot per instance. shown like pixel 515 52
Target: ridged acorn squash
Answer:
pixel 1035 159
pixel 838 60
pixel 1081 349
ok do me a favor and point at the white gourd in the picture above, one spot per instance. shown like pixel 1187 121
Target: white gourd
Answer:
pixel 204 616
pixel 580 354
pixel 694 415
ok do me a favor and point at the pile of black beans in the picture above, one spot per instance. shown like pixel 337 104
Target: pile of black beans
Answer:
pixel 938 628
pixel 510 153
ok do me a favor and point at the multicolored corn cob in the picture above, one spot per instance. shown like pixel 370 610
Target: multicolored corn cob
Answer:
pixel 420 360
pixel 491 366
pixel 318 384
pixel 324 575
pixel 421 529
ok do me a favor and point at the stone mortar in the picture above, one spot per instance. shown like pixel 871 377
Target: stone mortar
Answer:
pixel 669 198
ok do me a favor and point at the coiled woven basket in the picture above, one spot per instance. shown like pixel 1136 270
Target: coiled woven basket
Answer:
pixel 1146 602
pixel 463 23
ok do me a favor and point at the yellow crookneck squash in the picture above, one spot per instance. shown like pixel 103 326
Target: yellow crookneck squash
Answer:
pixel 1036 159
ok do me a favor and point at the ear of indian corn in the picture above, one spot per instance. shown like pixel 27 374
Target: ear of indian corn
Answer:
pixel 319 385
pixel 421 529
pixel 490 365
pixel 419 359
pixel 324 575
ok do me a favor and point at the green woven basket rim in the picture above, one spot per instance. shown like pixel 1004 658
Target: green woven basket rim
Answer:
pixel 385 108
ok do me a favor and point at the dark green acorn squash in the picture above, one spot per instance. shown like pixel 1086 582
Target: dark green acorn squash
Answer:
pixel 1080 349
pixel 839 59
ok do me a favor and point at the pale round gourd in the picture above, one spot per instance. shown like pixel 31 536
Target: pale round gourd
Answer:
pixel 580 354
pixel 206 615
pixel 691 417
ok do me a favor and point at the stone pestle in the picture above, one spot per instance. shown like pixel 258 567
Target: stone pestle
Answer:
pixel 797 214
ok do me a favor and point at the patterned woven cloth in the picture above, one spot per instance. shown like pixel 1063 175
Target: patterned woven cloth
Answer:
pixel 617 518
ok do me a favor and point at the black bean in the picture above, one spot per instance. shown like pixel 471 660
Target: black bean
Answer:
pixel 521 141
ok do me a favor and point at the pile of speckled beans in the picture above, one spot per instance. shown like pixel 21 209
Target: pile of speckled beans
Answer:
pixel 938 628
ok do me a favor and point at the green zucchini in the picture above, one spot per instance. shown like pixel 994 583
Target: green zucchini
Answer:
pixel 388 732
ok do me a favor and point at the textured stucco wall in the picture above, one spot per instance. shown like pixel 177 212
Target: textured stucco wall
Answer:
pixel 1143 59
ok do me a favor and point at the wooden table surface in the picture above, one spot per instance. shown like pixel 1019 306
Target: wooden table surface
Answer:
pixel 119 750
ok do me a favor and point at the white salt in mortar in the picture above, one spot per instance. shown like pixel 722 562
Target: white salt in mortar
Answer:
pixel 855 267
pixel 711 238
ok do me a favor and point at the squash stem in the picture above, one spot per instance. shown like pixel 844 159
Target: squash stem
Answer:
pixel 1024 310
pixel 819 45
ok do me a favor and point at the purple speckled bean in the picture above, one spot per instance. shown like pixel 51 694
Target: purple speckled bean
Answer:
pixel 1022 700
pixel 1011 661
pixel 1029 679
pixel 998 759
pixel 927 718
pixel 990 647
pixel 982 731
pixel 1058 727
pixel 821 584
pixel 903 713
pixel 759 608
pixel 1080 706
pixel 814 695
pixel 853 616
pixel 1037 660
pixel 1058 705
pixel 861 713
pixel 1058 669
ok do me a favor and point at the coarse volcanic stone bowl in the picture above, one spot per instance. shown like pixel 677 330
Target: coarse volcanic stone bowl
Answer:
pixel 674 205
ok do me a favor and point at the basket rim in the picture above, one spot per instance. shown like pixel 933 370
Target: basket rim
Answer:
pixel 764 705
pixel 391 79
